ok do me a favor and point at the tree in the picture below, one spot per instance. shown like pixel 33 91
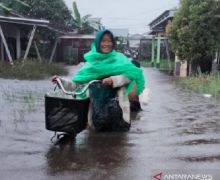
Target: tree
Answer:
pixel 194 33
pixel 54 10
pixel 10 7
pixel 83 23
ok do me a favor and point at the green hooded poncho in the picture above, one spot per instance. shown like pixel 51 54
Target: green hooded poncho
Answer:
pixel 101 65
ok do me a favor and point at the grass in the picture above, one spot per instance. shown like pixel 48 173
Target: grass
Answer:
pixel 31 69
pixel 28 98
pixel 21 103
pixel 204 84
pixel 164 65
pixel 146 63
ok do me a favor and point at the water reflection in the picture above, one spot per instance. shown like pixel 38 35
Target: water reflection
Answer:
pixel 176 129
pixel 201 141
pixel 89 150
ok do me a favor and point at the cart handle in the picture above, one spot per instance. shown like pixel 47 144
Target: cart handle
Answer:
pixel 73 93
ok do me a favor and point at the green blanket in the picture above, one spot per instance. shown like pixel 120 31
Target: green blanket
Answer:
pixel 100 65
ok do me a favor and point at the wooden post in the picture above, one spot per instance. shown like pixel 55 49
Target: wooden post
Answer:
pixel 218 58
pixel 158 52
pixel 152 52
pixel 168 54
pixel 2 49
pixel 180 68
pixel 18 44
pixel 53 51
pixel 29 42
pixel 37 51
pixel 6 46
pixel 183 69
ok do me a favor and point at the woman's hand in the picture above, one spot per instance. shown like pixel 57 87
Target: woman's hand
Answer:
pixel 54 79
pixel 107 81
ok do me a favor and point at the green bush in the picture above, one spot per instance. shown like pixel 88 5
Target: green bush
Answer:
pixel 146 63
pixel 31 69
pixel 164 64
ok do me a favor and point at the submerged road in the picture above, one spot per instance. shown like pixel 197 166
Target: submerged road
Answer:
pixel 178 131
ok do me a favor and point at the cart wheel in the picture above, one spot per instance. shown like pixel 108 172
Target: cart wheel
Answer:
pixel 63 139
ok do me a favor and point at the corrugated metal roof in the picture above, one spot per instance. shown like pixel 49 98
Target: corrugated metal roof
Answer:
pixel 162 17
pixel 25 21
pixel 78 36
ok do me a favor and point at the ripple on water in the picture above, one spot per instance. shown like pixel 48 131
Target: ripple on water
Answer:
pixel 189 131
pixel 201 141
pixel 200 158
pixel 200 126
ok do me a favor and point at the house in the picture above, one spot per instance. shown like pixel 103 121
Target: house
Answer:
pixel 71 47
pixel 160 46
pixel 159 25
pixel 159 28
pixel 14 43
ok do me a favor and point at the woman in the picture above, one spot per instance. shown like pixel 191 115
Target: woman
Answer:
pixel 113 69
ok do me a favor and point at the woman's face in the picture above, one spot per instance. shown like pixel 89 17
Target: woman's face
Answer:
pixel 106 44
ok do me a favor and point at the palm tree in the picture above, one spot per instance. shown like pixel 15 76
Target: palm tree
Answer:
pixel 83 23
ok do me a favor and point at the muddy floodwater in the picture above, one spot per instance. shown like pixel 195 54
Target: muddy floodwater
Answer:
pixel 177 130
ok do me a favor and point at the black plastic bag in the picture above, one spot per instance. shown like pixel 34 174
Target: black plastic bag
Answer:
pixel 106 111
pixel 66 115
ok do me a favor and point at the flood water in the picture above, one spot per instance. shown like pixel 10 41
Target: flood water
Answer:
pixel 177 130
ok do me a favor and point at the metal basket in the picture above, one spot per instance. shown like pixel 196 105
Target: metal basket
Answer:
pixel 66 115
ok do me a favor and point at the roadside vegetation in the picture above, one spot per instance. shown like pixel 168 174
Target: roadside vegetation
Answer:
pixel 31 69
pixel 194 33
pixel 164 64
pixel 203 84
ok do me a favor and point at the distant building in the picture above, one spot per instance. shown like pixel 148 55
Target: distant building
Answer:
pixel 154 45
pixel 121 35
pixel 158 29
pixel 96 23
pixel 134 41
pixel 158 25
pixel 71 48
pixel 145 47
pixel 120 32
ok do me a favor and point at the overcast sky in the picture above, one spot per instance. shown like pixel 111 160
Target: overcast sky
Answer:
pixel 132 14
